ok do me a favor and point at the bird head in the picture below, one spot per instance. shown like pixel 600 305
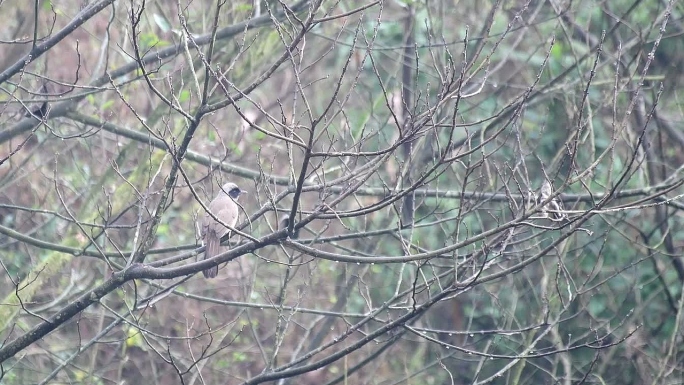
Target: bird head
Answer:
pixel 232 190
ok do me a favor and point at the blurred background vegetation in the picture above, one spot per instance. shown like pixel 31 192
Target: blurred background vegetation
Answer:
pixel 463 109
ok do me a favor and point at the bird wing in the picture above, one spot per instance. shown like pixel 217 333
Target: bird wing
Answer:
pixel 224 209
pixel 226 216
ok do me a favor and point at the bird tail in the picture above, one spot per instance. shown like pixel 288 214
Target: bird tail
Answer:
pixel 211 250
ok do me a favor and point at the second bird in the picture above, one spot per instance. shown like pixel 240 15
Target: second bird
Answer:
pixel 225 208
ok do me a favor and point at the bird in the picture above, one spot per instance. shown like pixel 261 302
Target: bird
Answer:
pixel 285 223
pixel 225 208
pixel 554 207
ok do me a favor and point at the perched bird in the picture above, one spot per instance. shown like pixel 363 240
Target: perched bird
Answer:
pixel 554 208
pixel 285 223
pixel 225 208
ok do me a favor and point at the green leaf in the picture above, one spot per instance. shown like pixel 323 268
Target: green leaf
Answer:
pixel 184 96
pixel 134 338
pixel 557 51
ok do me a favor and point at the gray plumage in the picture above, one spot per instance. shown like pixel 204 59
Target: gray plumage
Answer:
pixel 554 208
pixel 285 223
pixel 225 208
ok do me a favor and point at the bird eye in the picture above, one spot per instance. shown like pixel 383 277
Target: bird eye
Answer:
pixel 234 193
